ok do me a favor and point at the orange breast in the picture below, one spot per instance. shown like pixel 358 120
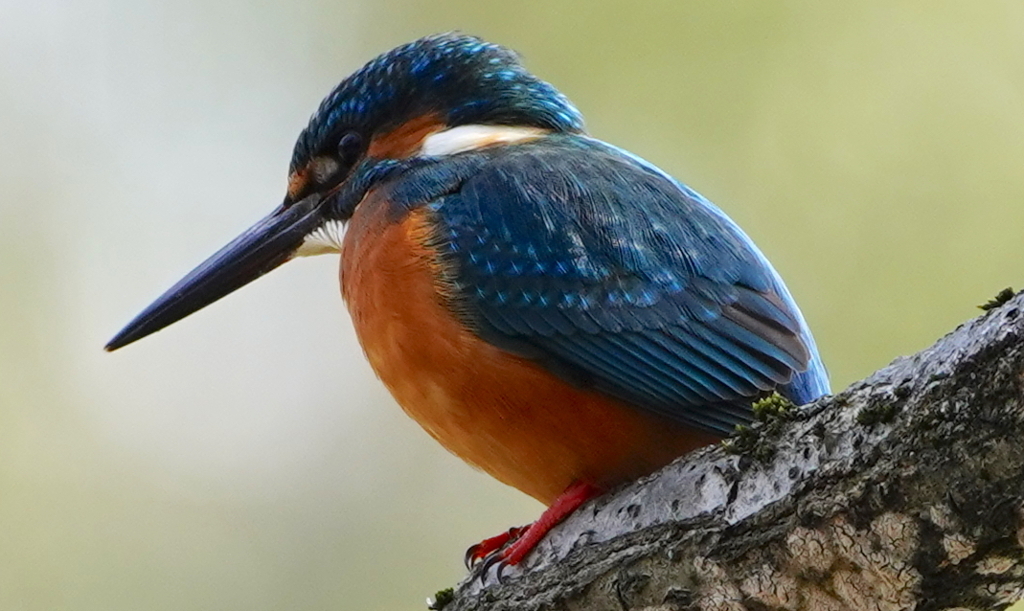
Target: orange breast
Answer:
pixel 499 412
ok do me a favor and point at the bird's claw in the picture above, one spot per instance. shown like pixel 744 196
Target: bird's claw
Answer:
pixel 490 548
pixel 496 559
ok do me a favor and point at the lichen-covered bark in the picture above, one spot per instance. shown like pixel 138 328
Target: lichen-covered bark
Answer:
pixel 905 491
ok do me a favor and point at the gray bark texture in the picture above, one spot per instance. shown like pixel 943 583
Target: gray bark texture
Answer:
pixel 905 491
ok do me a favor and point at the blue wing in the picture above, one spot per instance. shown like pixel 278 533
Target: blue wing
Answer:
pixel 611 274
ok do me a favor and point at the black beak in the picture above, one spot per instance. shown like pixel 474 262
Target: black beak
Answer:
pixel 260 249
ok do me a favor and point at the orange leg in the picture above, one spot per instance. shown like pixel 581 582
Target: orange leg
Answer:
pixel 511 547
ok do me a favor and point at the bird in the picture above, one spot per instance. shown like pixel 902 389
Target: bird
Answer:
pixel 556 311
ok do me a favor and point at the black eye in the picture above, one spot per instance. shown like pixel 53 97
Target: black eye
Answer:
pixel 349 148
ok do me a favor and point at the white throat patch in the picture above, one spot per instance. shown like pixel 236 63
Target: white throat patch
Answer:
pixel 324 241
pixel 470 137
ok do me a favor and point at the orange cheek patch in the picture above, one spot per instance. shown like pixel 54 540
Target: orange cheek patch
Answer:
pixel 405 139
pixel 297 183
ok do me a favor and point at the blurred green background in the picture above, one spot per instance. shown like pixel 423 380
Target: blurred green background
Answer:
pixel 247 458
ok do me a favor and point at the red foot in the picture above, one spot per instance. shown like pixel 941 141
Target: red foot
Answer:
pixel 523 540
pixel 485 548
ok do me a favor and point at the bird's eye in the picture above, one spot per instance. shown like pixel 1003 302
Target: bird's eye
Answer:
pixel 349 148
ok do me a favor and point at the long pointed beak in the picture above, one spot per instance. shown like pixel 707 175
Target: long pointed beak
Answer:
pixel 260 249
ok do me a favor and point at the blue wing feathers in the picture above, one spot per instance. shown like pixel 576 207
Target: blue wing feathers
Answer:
pixel 702 377
pixel 728 354
pixel 677 379
pixel 726 376
pixel 662 389
pixel 603 367
pixel 602 265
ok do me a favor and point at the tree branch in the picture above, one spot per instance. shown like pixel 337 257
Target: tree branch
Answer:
pixel 905 491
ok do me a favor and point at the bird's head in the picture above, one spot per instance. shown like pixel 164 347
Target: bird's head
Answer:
pixel 436 96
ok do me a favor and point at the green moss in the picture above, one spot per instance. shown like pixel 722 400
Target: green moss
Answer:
pixel 441 599
pixel 772 407
pixel 742 441
pixel 771 412
pixel 1002 297
pixel 874 414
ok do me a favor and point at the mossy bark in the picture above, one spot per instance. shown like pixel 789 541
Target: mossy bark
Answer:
pixel 905 491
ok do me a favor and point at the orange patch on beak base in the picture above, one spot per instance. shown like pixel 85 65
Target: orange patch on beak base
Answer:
pixel 405 139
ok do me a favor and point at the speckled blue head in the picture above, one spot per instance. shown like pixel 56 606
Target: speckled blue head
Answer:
pixel 462 79
pixel 451 79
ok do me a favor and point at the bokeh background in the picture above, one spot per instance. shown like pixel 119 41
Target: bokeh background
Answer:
pixel 247 458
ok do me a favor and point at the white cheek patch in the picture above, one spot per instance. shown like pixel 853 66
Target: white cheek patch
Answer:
pixel 324 241
pixel 327 238
pixel 471 137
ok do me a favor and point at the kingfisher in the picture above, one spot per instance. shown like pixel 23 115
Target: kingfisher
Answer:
pixel 552 309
